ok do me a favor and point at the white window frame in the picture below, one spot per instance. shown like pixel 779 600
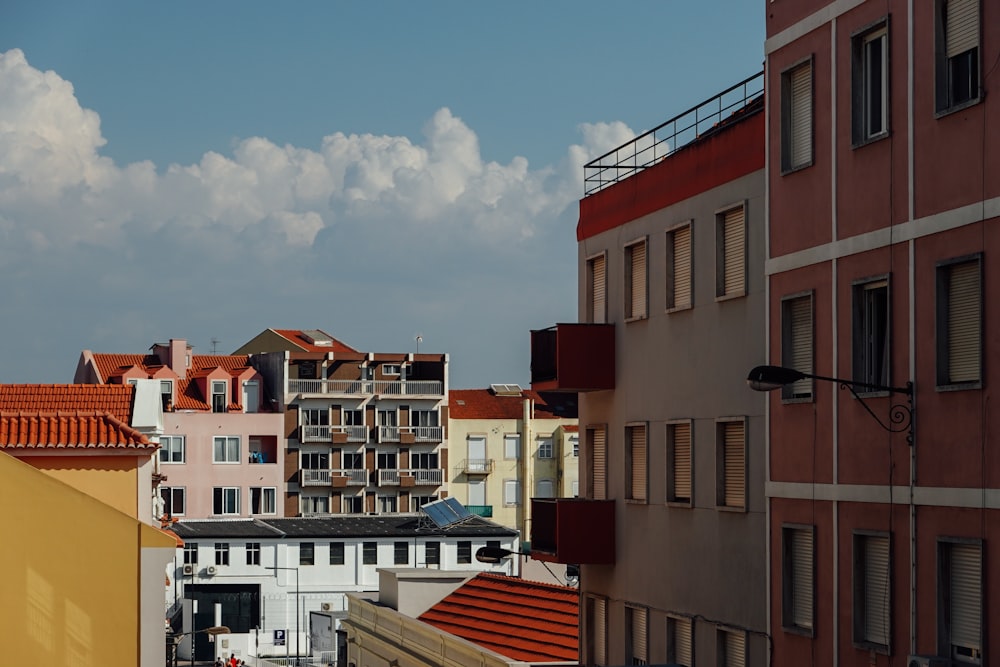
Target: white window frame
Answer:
pixel 511 492
pixel 391 369
pixel 166 397
pixel 348 504
pixel 871 329
pixel 870 83
pixel 540 488
pixel 214 386
pixel 253 553
pixel 174 448
pixel 247 408
pixel 388 504
pixel 574 444
pixel 222 552
pixel 182 492
pixel 546 447
pixel 268 498
pixel 228 457
pixel 229 498
pixel 509 438
pixel 308 504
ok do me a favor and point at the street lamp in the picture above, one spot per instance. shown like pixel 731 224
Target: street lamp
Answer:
pixel 769 378
pixel 296 570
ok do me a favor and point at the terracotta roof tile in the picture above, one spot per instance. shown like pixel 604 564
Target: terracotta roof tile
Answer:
pixel 523 620
pixel 484 404
pixel 113 399
pixel 296 336
pixel 81 429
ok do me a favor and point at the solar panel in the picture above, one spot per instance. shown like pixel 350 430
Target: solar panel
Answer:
pixel 446 512
pixel 458 508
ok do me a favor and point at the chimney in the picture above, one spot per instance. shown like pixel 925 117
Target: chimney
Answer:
pixel 178 358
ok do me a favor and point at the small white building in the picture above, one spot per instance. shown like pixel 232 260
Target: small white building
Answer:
pixel 265 578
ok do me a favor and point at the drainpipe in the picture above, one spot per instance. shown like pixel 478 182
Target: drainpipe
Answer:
pixel 526 481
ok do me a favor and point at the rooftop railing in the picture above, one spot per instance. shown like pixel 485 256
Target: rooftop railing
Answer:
pixel 651 147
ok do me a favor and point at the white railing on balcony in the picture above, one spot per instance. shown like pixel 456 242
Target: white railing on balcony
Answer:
pixel 362 387
pixel 355 477
pixel 315 433
pixel 426 476
pixel 477 466
pixel 315 477
pixel 354 433
pixel 426 433
pixel 388 477
pixel 388 434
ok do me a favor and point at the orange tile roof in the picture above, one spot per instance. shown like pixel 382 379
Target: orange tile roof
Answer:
pixel 295 336
pixel 523 620
pixel 113 364
pixel 484 404
pixel 81 429
pixel 113 399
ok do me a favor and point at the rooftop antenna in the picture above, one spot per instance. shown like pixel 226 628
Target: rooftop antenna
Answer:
pixel 215 341
pixel 419 340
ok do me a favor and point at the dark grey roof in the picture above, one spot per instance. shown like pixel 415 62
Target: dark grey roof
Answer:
pixel 384 525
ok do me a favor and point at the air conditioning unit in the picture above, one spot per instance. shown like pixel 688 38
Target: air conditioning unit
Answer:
pixel 211 570
pixel 326 606
pixel 927 661
pixel 188 570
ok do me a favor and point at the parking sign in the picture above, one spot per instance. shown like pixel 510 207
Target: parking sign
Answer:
pixel 279 637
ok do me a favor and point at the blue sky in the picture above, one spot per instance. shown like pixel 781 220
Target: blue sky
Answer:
pixel 378 170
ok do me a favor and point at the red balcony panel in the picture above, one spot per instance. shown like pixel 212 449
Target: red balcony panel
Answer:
pixel 573 357
pixel 573 530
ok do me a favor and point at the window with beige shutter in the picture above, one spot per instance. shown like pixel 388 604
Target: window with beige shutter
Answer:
pixel 680 641
pixel 637 651
pixel 959 325
pixel 597 439
pixel 635 280
pixel 679 268
pixel 597 642
pixel 597 290
pixel 635 436
pixel 797 343
pixel 733 646
pixel 797 559
pixel 679 461
pixel 797 117
pixel 731 253
pixel 872 591
pixel 960 600
pixel 957 58
pixel 732 464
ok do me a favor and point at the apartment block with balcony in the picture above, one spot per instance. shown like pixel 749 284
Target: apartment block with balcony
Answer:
pixel 365 431
pixel 884 204
pixel 511 445
pixel 669 529
pixel 221 442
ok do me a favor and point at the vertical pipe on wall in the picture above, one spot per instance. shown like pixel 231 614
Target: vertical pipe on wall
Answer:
pixel 912 325
pixel 835 348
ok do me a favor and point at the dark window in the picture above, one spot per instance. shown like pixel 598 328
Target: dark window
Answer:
pixel 870 83
pixel 336 553
pixel 432 553
pixel 871 332
pixel 957 54
pixel 369 553
pixel 401 553
pixel 190 554
pixel 173 500
pixel 465 552
pixel 307 553
pixel 222 553
pixel 253 553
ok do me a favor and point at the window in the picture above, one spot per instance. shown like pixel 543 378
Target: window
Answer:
pixel 336 553
pixel 386 461
pixel 226 449
pixel 574 488
pixel 314 417
pixel 251 396
pixel 226 500
pixel 597 637
pixel 354 504
pixel 511 446
pixel 390 369
pixel 680 644
pixel 401 553
pixel 730 253
pixel 597 441
pixel 797 343
pixel 597 305
pixel 253 553
pixel 171 449
pixel 167 394
pixel 432 553
pixel 173 500
pixel 353 461
pixel 545 448
pixel 190 554
pixel 388 418
pixel 388 504
pixel 307 553
pixel 424 461
pixel 425 421
pixel 960 600
pixel 222 553
pixel 545 488
pixel 416 502
pixel 731 457
pixel 957 54
pixel 871 332
pixel 574 443
pixel 732 648
pixel 464 552
pixel 679 258
pixel 352 417
pixel 679 462
pixel 218 396
pixel 797 578
pixel 315 460
pixel 263 500
pixel 636 652
pixel 870 84
pixel 635 436
pixel 796 117
pixel 959 322
pixel 635 280
pixel 315 504
pixel 872 591
pixel 511 492
pixel 369 553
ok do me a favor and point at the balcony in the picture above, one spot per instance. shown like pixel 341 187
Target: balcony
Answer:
pixel 345 434
pixel 573 358
pixel 573 530
pixel 314 433
pixel 476 466
pixel 315 477
pixel 485 511
pixel 337 478
pixel 410 435
pixel 410 477
pixel 388 434
pixel 388 388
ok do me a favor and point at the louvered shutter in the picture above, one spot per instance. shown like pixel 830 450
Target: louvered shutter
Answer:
pixel 598 303
pixel 682 268
pixel 682 642
pixel 735 649
pixel 637 280
pixel 964 312
pixel 802 578
pixel 877 597
pixel 682 461
pixel 961 26
pixel 801 116
pixel 735 465
pixel 637 452
pixel 735 251
pixel 599 630
pixel 966 596
pixel 800 311
pixel 638 635
pixel 599 464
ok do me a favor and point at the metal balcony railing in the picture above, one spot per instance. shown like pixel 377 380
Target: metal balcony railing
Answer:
pixel 367 387
pixel 315 433
pixel 315 477
pixel 485 511
pixel 388 477
pixel 650 147
pixel 476 466
pixel 388 434
pixel 355 476
pixel 426 476
pixel 354 433
pixel 425 433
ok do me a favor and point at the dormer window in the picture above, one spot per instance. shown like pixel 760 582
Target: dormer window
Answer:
pixel 218 396
pixel 167 394
pixel 390 369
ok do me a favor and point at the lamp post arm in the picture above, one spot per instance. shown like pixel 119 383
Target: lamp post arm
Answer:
pixel 900 416
pixel 864 386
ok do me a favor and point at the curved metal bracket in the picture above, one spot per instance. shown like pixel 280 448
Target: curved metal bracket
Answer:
pixel 900 416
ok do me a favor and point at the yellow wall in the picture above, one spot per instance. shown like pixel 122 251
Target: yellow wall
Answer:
pixel 110 479
pixel 70 563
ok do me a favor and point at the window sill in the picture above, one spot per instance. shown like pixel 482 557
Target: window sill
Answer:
pixel 683 504
pixel 637 318
pixel 636 501
pixel 797 630
pixel 729 297
pixel 731 508
pixel 785 171
pixel 798 400
pixel 963 386
pixel 874 139
pixel 679 309
pixel 881 649
pixel 941 113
